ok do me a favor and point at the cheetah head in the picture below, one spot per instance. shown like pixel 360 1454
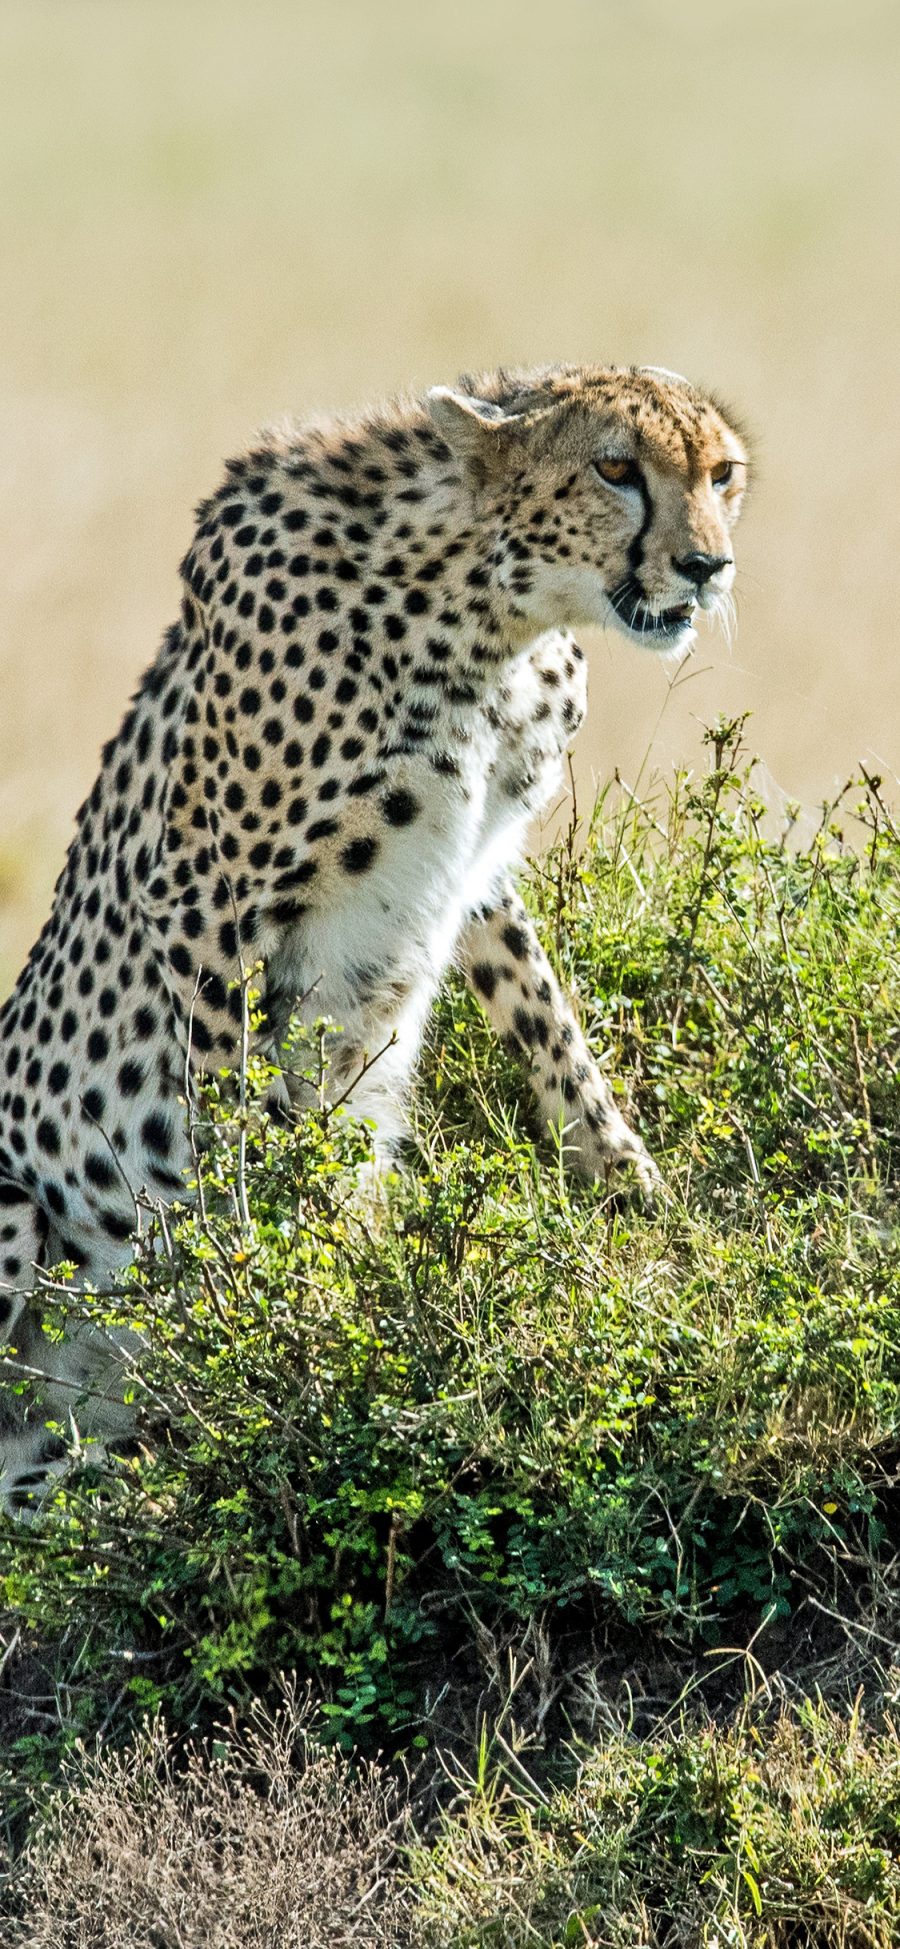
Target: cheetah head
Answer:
pixel 611 493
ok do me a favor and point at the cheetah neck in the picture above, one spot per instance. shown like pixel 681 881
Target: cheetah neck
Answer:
pixel 419 529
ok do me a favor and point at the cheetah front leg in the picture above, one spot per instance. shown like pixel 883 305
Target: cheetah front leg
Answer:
pixel 29 1452
pixel 506 966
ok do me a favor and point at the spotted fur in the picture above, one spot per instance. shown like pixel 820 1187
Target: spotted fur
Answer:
pixel 329 771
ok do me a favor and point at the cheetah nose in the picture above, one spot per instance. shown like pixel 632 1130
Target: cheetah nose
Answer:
pixel 699 568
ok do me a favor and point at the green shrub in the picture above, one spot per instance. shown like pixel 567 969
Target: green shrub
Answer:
pixel 398 1432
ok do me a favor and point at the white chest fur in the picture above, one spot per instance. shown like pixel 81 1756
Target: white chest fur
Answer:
pixel 372 939
pixel 371 949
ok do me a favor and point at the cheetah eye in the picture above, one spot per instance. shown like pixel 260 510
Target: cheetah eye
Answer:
pixel 617 472
pixel 721 473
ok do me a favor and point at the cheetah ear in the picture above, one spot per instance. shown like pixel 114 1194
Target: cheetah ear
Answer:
pixel 475 430
pixel 664 372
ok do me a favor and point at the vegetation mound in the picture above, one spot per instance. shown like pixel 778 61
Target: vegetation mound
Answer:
pixel 569 1504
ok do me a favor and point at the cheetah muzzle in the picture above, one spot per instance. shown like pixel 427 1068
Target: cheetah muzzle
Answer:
pixel 329 771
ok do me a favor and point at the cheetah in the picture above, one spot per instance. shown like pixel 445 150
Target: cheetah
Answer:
pixel 328 773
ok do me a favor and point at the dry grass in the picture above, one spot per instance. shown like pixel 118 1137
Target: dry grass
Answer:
pixel 272 1842
pixel 210 214
pixel 778 1832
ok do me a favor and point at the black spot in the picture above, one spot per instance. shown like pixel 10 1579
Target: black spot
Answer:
pixel 157 1133
pixel 99 1170
pixel 116 1225
pixel 516 939
pixel 485 978
pixel 357 857
pixel 400 807
pixel 288 912
pixel 131 1077
pixel 366 781
pixel 215 995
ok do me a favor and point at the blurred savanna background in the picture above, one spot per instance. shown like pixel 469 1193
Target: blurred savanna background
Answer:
pixel 214 214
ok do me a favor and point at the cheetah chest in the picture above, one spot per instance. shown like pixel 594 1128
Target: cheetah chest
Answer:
pixel 389 905
pixel 395 884
pixel 372 946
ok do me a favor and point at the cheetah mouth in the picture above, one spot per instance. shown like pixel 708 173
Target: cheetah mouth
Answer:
pixel 651 625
